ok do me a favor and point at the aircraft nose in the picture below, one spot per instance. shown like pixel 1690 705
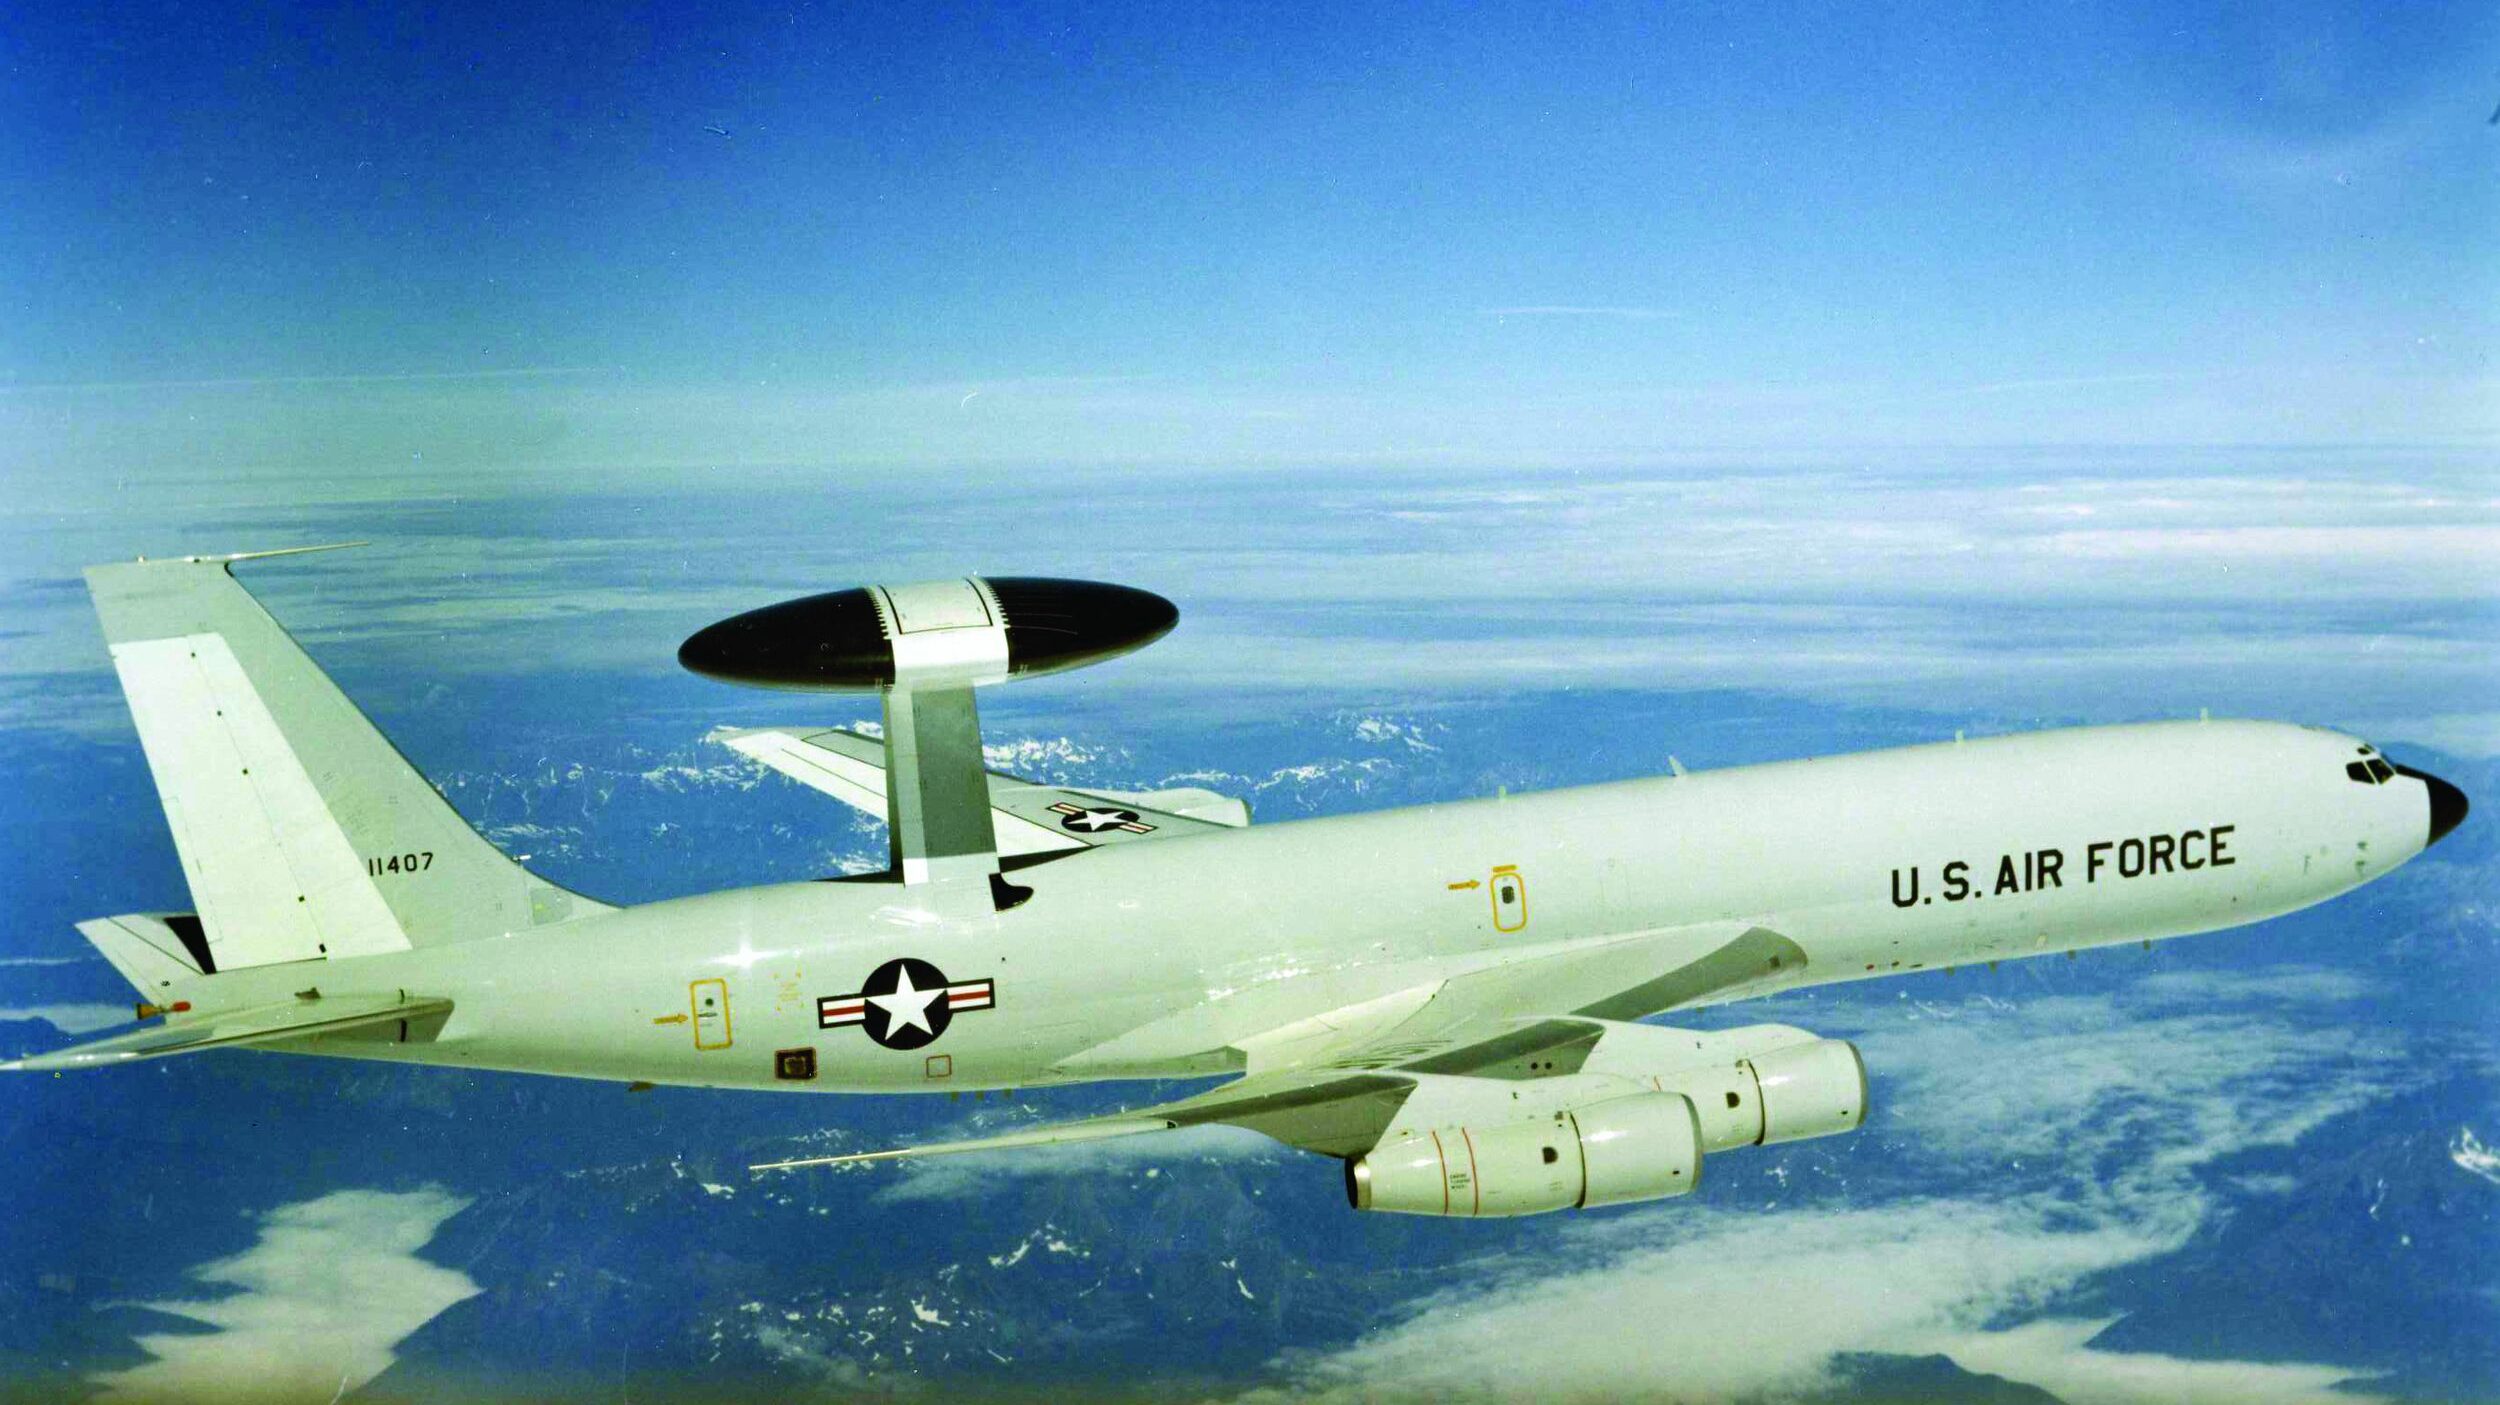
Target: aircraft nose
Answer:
pixel 2447 804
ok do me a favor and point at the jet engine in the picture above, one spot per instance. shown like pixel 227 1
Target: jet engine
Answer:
pixel 1756 1086
pixel 1633 1123
pixel 1810 1090
pixel 1646 1146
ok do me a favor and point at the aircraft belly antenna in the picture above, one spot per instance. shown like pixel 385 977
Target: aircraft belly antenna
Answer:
pixel 924 648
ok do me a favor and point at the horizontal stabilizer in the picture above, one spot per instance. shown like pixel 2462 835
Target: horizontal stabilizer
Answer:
pixel 1029 817
pixel 152 950
pixel 229 1029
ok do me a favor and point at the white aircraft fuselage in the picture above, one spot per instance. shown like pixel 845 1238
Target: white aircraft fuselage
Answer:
pixel 1449 998
pixel 1145 960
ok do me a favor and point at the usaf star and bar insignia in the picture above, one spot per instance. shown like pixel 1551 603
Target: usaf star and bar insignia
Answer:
pixel 905 1003
pixel 1094 819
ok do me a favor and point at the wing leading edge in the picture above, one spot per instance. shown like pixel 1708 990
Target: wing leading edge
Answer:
pixel 1029 817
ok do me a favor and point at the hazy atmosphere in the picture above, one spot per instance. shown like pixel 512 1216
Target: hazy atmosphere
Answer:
pixel 1508 398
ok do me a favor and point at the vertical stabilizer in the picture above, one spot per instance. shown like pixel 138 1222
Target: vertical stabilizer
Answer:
pixel 303 832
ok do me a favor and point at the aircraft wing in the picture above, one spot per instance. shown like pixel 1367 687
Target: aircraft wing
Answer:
pixel 1333 1082
pixel 226 1029
pixel 1275 1104
pixel 1030 817
pixel 1521 1017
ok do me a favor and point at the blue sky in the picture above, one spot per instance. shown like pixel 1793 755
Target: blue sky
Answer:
pixel 1185 235
pixel 2008 356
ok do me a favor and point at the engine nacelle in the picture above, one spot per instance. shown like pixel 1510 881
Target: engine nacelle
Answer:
pixel 1810 1090
pixel 1645 1146
pixel 1756 1086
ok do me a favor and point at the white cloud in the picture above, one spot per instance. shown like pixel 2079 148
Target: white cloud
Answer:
pixel 2293 985
pixel 2036 383
pixel 329 1289
pixel 2474 1158
pixel 1559 309
pixel 1042 756
pixel 2056 1355
pixel 81 1018
pixel 1720 1305
pixel 2088 1120
pixel 2469 734
pixel 2051 1081
pixel 800 1352
pixel 262 382
pixel 965 1179
pixel 2289 591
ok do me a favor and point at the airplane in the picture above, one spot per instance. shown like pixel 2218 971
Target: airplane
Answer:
pixel 1452 999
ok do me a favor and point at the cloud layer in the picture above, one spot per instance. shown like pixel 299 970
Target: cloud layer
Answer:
pixel 960 1179
pixel 2349 594
pixel 320 1300
pixel 2085 1120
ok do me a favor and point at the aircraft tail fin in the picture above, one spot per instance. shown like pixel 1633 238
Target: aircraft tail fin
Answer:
pixel 302 830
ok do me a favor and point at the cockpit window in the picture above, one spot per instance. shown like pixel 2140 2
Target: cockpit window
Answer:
pixel 2371 772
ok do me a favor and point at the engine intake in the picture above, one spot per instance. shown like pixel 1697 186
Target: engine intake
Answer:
pixel 1646 1146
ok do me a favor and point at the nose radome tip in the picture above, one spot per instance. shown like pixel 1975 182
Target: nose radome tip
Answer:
pixel 2448 804
pixel 2447 807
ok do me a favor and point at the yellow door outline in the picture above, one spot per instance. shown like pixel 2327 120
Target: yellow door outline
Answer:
pixel 1512 914
pixel 710 1000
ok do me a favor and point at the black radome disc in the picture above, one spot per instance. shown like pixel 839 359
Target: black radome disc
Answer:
pixel 836 642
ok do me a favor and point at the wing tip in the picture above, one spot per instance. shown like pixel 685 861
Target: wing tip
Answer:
pixel 228 558
pixel 62 1060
